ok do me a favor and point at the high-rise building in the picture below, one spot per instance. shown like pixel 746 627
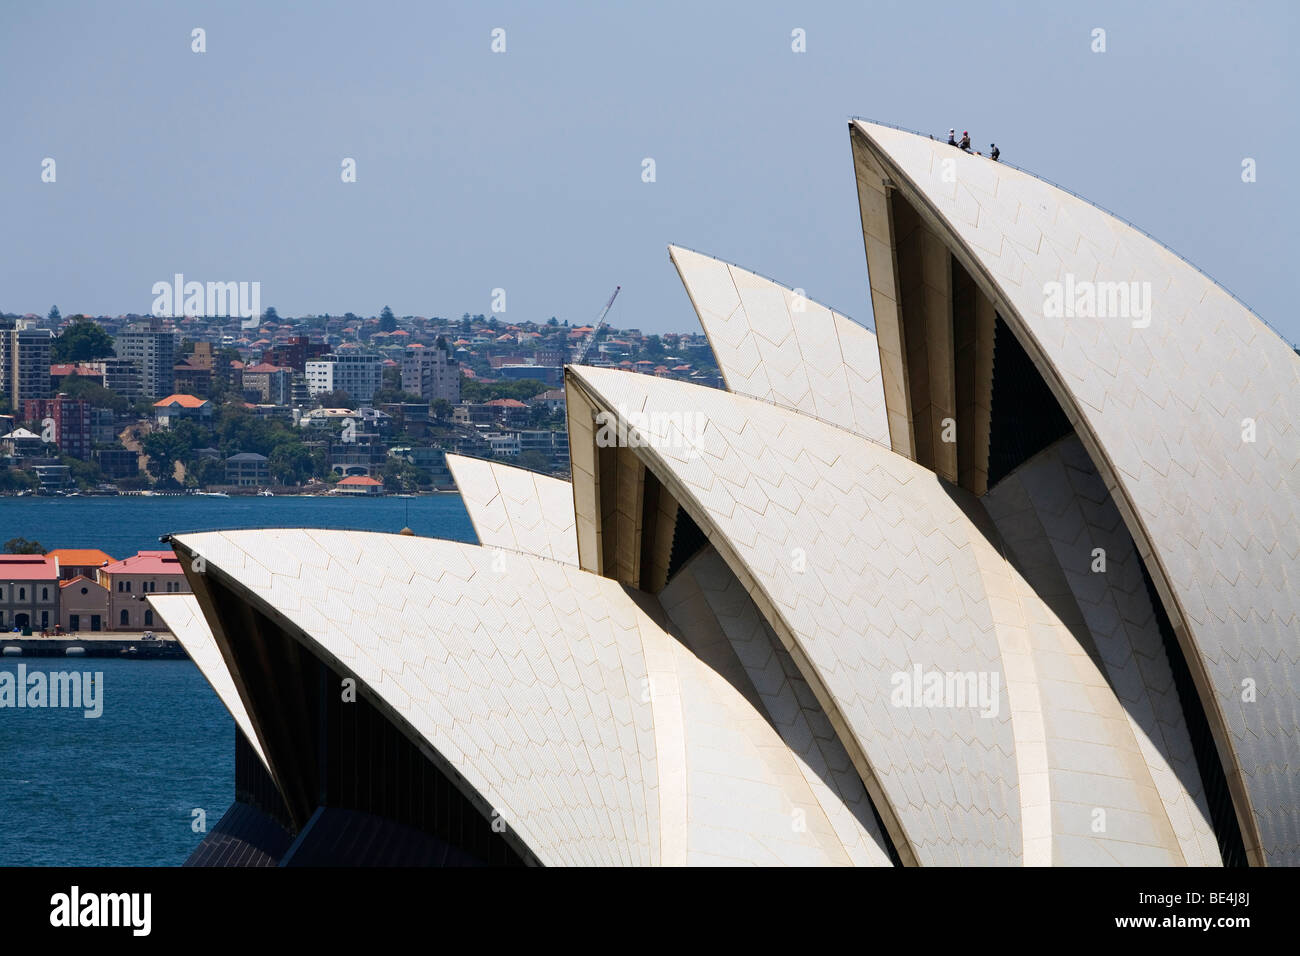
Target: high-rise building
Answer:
pixel 356 373
pixel 122 375
pixel 24 362
pixel 432 374
pixel 72 419
pixel 154 351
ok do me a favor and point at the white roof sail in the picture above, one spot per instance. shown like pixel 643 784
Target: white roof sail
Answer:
pixel 593 732
pixel 776 344
pixel 517 509
pixel 185 620
pixel 1188 404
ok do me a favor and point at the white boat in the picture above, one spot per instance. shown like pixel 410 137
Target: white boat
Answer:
pixel 212 494
pixel 266 493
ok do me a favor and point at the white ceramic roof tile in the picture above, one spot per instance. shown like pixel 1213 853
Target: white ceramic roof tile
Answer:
pixel 857 622
pixel 186 622
pixel 1057 505
pixel 593 732
pixel 454 637
pixel 773 344
pixel 516 509
pixel 1164 418
pixel 790 706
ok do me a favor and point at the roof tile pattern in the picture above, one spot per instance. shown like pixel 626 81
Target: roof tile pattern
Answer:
pixel 517 509
pixel 597 735
pixel 1055 510
pixel 773 344
pixel 1167 409
pixel 525 675
pixel 867 561
pixel 783 694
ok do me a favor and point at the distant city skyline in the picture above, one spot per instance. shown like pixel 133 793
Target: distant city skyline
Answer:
pixel 524 170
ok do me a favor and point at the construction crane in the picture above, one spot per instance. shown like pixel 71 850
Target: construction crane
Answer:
pixel 600 323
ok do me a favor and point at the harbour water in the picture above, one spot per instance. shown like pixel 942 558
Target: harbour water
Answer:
pixel 122 788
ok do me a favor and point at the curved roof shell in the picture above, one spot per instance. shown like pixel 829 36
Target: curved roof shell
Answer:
pixel 777 344
pixel 1190 410
pixel 517 509
pixel 558 696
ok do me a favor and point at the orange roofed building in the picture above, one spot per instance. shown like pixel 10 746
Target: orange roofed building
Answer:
pixel 179 405
pixel 359 485
pixel 78 561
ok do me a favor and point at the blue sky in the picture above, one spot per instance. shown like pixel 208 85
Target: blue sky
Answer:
pixel 522 170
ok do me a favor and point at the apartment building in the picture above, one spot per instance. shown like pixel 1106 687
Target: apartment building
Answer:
pixel 359 374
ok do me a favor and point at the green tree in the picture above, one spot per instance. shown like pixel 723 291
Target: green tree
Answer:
pixel 86 474
pixel 533 461
pixel 54 315
pixel 84 387
pixel 164 449
pixel 472 390
pixel 387 321
pixel 335 399
pixel 270 315
pixel 207 471
pixel 291 463
pixel 23 546
pixel 82 341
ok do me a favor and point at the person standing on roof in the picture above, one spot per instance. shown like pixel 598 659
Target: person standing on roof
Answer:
pixel 996 152
pixel 952 137
pixel 965 141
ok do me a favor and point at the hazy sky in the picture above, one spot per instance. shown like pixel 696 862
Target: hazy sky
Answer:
pixel 523 170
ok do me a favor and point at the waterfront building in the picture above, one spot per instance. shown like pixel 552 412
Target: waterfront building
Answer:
pixel 130 581
pixel 29 591
pixel 432 460
pixel 359 485
pixel 117 462
pixel 952 591
pixel 54 477
pixel 248 469
pixel 79 561
pixel 83 605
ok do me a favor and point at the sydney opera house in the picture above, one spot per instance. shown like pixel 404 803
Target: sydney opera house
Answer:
pixel 1012 580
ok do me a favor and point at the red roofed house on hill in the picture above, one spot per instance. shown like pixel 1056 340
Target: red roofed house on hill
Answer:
pixel 178 406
